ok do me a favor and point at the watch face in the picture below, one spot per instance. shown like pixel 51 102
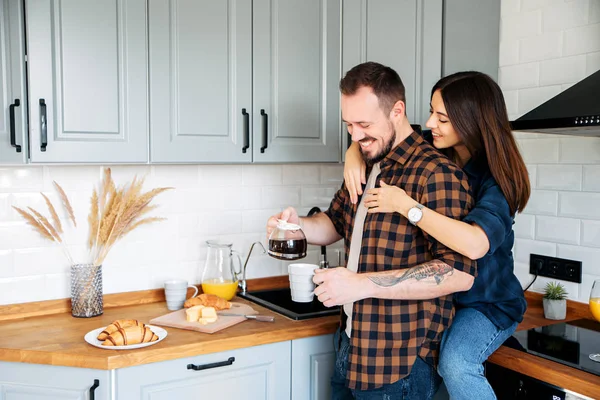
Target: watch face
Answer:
pixel 414 214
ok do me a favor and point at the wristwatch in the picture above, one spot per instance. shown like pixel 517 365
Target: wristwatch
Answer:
pixel 415 214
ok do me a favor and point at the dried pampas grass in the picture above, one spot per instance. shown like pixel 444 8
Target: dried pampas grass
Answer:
pixel 114 212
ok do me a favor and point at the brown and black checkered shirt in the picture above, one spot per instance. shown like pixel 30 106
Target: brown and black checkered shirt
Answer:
pixel 388 335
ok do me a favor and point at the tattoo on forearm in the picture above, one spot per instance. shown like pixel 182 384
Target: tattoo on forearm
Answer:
pixel 432 270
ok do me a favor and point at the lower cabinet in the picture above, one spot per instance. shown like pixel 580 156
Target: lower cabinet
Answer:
pixel 260 372
pixel 21 381
pixel 298 370
pixel 313 360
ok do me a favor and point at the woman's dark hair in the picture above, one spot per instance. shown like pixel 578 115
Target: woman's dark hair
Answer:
pixel 384 81
pixel 476 109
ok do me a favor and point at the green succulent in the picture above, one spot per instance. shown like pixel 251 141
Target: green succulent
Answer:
pixel 555 291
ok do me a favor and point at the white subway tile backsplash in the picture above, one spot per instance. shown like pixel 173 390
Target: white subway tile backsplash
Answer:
pixel 221 223
pixel 542 202
pixel 591 178
pixel 220 175
pixel 41 261
pixel 557 230
pixel 256 220
pixel 581 40
pixel 590 233
pixel 317 196
pixel 561 16
pixel 524 226
pixel 589 257
pixel 524 247
pixel 5 210
pixel 566 168
pixel 262 175
pixel 122 174
pixel 251 197
pixel 571 287
pixel 566 70
pixel 519 76
pixel 533 97
pixel 559 177
pixel 541 47
pixel 509 52
pixel 332 175
pixel 592 63
pixel 537 151
pixel 69 178
pixel 580 150
pixel 525 24
pixel 280 196
pixel 530 5
pixel 300 174
pixel 511 98
pixel 22 289
pixel 532 172
pixel 581 205
pixel 177 176
pixel 18 179
pixel 508 7
pixel 6 264
pixel 594 15
pixel 58 286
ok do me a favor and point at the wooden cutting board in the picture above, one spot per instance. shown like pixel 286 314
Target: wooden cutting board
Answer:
pixel 177 319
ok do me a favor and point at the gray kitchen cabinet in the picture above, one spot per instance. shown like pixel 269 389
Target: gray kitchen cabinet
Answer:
pixel 405 35
pixel 260 372
pixel 313 360
pixel 471 36
pixel 244 81
pixel 13 118
pixel 87 65
pixel 22 381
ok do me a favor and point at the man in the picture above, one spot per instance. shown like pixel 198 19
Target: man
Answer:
pixel 397 284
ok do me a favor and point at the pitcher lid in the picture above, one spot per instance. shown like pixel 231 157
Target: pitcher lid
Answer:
pixel 287 226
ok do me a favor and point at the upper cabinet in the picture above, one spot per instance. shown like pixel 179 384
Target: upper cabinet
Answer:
pixel 13 103
pixel 87 65
pixel 243 81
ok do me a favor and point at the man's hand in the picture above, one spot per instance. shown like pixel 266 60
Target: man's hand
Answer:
pixel 289 214
pixel 339 286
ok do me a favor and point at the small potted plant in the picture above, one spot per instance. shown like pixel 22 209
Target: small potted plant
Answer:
pixel 555 301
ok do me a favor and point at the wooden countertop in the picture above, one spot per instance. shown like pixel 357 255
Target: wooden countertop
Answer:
pixel 57 338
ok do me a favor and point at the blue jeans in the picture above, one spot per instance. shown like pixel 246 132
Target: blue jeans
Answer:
pixel 422 383
pixel 469 341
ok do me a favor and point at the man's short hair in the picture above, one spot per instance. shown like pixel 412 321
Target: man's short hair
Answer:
pixel 384 81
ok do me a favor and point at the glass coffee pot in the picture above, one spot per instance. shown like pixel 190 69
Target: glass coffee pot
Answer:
pixel 220 276
pixel 287 241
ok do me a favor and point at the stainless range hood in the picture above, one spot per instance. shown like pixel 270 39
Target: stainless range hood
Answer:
pixel 576 111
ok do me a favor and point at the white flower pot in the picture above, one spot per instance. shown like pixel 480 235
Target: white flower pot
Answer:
pixel 555 309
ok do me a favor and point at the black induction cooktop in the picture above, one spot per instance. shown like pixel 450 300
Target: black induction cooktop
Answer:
pixel 280 300
pixel 569 343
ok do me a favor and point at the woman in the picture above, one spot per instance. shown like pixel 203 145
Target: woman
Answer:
pixel 469 123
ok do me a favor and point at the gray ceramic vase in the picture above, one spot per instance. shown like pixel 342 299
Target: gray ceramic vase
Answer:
pixel 555 309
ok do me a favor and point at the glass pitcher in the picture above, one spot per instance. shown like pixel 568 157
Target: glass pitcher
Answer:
pixel 220 277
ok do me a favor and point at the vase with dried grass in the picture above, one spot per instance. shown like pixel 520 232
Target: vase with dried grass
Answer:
pixel 114 212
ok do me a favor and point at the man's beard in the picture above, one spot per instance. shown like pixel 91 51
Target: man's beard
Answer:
pixel 387 147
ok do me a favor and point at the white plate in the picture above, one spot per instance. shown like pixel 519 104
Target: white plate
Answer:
pixel 91 338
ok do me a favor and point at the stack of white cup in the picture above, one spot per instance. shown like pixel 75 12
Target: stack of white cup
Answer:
pixel 301 282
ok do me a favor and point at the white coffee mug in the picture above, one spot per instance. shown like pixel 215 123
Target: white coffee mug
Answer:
pixel 176 293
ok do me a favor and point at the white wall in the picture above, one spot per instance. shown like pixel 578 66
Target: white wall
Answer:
pixel 226 202
pixel 545 47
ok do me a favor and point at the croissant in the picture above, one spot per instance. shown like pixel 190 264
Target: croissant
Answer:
pixel 208 300
pixel 115 325
pixel 130 335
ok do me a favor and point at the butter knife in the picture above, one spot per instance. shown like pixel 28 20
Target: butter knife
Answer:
pixel 261 318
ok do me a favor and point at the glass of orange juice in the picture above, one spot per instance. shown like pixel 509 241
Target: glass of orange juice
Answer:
pixel 595 309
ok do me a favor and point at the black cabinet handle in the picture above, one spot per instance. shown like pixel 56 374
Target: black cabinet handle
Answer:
pixel 13 134
pixel 93 389
pixel 265 130
pixel 246 130
pixel 43 126
pixel 213 365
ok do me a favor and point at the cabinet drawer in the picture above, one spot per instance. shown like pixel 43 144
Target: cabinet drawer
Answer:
pixel 260 372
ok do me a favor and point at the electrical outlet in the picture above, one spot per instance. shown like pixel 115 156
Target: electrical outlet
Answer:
pixel 553 267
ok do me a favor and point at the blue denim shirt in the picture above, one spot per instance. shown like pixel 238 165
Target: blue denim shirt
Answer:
pixel 496 292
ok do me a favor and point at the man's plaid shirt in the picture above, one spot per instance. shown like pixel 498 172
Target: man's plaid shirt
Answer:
pixel 388 335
